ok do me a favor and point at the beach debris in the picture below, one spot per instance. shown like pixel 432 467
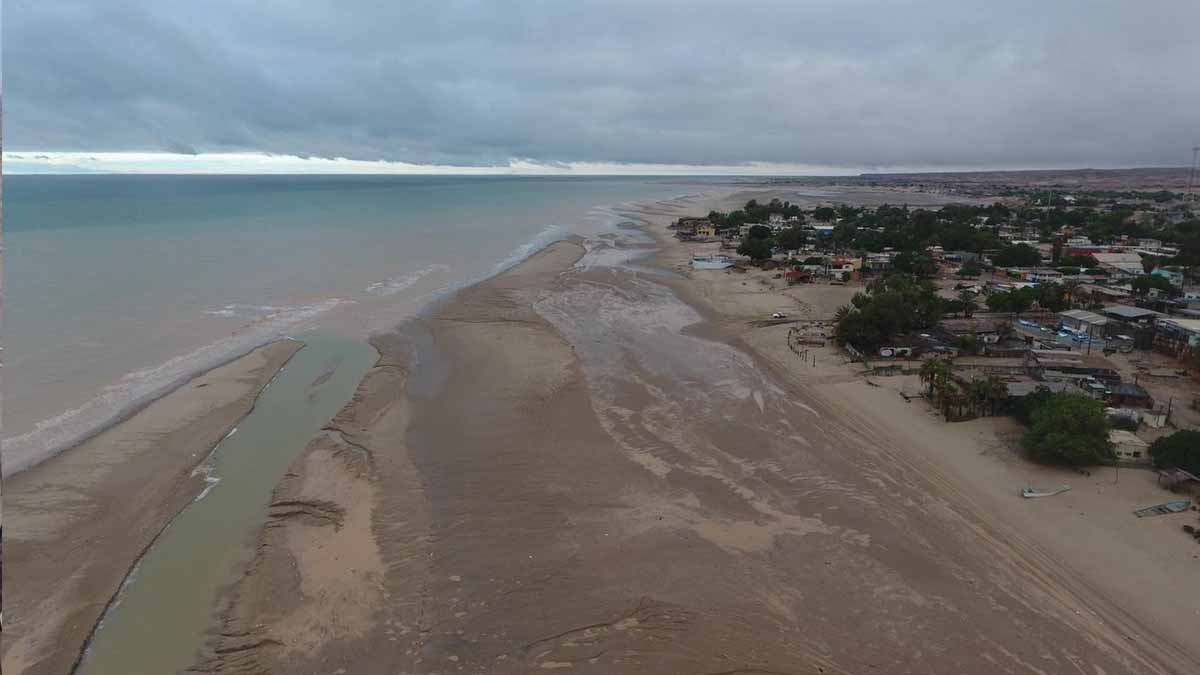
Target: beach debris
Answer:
pixel 1162 509
pixel 1030 492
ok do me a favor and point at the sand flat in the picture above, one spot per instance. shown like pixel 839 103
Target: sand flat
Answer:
pixel 569 468
pixel 76 523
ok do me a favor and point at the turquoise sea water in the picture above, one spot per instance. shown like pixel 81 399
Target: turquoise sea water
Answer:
pixel 118 287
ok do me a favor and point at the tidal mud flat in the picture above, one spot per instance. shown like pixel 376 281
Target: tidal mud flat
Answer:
pixel 78 522
pixel 567 467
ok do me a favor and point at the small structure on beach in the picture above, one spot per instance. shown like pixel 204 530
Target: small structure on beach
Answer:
pixel 1128 447
pixel 1178 480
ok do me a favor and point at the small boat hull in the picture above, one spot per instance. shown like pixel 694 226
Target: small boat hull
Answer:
pixel 1030 492
pixel 1163 509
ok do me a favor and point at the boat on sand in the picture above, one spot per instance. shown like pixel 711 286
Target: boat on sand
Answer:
pixel 1029 491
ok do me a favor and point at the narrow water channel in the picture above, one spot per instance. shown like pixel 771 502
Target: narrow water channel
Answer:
pixel 159 621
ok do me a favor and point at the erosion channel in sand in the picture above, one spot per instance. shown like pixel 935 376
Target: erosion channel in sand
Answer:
pixel 568 467
pixel 77 523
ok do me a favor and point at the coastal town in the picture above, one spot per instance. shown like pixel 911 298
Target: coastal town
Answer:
pixel 1073 313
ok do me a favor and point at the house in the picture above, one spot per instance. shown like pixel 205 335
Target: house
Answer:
pixel 1110 292
pixel 1083 321
pixel 1128 447
pixel 1120 265
pixel 1041 276
pixel 1174 275
pixel 1056 365
pixel 797 276
pixel 689 224
pixel 706 230
pixel 1129 313
pixel 1179 330
pixel 1128 395
pixel 985 330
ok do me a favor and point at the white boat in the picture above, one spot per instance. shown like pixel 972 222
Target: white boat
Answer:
pixel 1029 491
pixel 711 262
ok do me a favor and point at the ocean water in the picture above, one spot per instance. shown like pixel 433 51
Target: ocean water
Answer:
pixel 119 287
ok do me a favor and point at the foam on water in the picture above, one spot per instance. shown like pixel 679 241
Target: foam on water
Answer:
pixel 137 388
pixel 394 285
pixel 548 235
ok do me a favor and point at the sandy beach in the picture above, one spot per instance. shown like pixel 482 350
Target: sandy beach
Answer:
pixel 599 468
pixel 77 523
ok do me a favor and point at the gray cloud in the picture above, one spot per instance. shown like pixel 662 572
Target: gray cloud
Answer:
pixel 1019 83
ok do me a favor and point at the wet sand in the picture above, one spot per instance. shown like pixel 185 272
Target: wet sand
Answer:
pixel 567 467
pixel 78 522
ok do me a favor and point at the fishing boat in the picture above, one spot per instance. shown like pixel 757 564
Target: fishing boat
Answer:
pixel 711 262
pixel 1162 509
pixel 1030 492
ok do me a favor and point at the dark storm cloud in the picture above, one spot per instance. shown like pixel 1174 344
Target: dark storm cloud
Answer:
pixel 840 82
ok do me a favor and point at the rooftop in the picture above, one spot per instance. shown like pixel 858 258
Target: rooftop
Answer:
pixel 1129 389
pixel 1122 437
pixel 1189 325
pixel 1085 316
pixel 1129 312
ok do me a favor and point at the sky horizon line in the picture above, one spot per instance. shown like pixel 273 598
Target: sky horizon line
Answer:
pixel 34 162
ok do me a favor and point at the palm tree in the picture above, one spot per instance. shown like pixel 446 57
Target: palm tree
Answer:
pixel 934 372
pixel 995 390
pixel 976 392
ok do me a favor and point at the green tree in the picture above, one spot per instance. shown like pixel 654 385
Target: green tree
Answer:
pixel 791 239
pixel 1005 329
pixel 995 391
pixel 916 264
pixel 967 298
pixel 971 269
pixel 759 232
pixel 1181 449
pixel 1143 284
pixel 755 249
pixel 933 372
pixel 1014 301
pixel 1069 428
pixel 1018 255
pixel 824 213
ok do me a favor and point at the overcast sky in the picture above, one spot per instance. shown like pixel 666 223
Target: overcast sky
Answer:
pixel 858 85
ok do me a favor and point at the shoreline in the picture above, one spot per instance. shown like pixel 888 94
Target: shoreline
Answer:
pixel 133 408
pixel 584 468
pixel 79 522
